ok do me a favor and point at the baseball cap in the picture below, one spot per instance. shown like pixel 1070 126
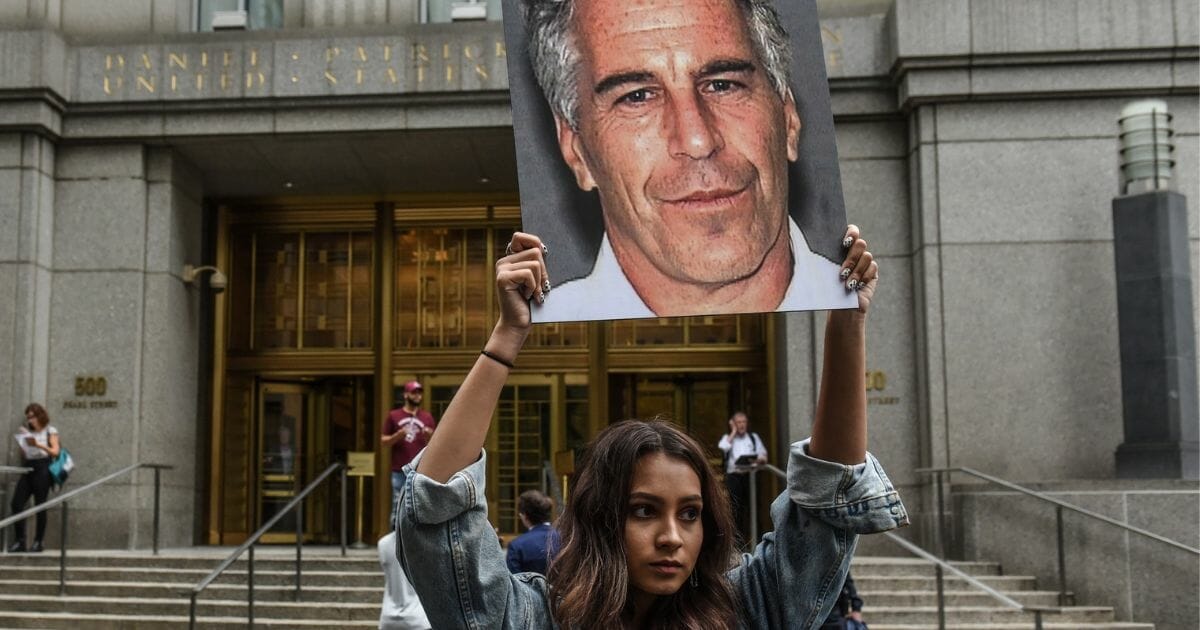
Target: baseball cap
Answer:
pixel 412 386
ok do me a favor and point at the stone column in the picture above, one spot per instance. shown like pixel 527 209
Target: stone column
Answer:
pixel 26 246
pixel 1158 338
pixel 126 219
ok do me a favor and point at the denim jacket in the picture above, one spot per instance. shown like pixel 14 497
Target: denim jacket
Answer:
pixel 450 553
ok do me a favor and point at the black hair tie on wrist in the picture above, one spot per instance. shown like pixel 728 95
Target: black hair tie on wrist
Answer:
pixel 504 362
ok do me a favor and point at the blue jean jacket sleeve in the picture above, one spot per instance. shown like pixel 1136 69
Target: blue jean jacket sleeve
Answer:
pixel 795 574
pixel 450 553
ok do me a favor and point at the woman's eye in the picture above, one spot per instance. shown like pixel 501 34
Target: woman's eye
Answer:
pixel 690 514
pixel 641 511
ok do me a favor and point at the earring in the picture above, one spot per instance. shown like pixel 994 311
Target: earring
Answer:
pixel 694 580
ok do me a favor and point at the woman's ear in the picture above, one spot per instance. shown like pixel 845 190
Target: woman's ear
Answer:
pixel 571 146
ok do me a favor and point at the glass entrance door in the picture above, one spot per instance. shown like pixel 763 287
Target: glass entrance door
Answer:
pixel 525 433
pixel 700 403
pixel 284 412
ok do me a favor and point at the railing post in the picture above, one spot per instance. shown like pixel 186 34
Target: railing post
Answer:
pixel 156 504
pixel 250 589
pixel 1037 620
pixel 192 612
pixel 1062 558
pixel 941 597
pixel 62 552
pixel 753 507
pixel 299 542
pixel 941 514
pixel 343 533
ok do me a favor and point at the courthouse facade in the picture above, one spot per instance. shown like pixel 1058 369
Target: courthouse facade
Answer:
pixel 348 166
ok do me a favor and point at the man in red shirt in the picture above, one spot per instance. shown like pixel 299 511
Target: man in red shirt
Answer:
pixel 406 430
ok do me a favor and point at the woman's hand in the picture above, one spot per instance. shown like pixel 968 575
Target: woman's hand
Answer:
pixel 520 277
pixel 840 429
pixel 859 269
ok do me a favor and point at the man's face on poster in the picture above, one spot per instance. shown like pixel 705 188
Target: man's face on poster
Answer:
pixel 683 134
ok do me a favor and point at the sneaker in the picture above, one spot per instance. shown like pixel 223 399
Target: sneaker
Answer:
pixel 17 547
pixel 36 547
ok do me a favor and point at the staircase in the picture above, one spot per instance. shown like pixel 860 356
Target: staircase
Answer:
pixel 116 589
pixel 901 594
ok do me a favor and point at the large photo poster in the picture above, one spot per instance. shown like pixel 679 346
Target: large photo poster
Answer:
pixel 677 157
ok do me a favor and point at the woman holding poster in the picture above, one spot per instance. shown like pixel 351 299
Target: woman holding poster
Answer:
pixel 646 537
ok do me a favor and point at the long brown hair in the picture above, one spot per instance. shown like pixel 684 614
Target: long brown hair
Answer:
pixel 589 578
pixel 38 412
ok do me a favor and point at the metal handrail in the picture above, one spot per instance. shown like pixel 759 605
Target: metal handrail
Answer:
pixel 63 498
pixel 297 502
pixel 940 566
pixel 1064 596
pixel 14 470
pixel 1062 504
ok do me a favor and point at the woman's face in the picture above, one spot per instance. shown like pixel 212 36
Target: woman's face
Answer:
pixel 33 421
pixel 663 530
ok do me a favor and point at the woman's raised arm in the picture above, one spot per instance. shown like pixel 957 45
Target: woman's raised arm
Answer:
pixel 520 276
pixel 840 428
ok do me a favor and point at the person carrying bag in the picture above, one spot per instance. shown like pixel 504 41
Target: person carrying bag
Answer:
pixel 39 449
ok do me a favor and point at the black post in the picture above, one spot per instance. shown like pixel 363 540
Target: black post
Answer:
pixel 156 504
pixel 1062 557
pixel 941 514
pixel 1037 620
pixel 192 612
pixel 62 552
pixel 753 507
pixel 250 589
pixel 299 542
pixel 343 534
pixel 941 597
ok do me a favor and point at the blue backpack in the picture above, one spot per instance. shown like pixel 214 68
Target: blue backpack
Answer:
pixel 61 468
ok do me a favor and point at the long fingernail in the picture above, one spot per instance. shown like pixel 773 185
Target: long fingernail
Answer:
pixel 845 273
pixel 545 286
pixel 541 297
pixel 545 250
pixel 847 241
pixel 852 284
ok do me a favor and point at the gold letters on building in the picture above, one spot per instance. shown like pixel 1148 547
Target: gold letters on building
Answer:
pixel 471 60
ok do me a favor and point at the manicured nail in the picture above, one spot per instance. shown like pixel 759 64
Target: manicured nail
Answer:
pixel 847 241
pixel 545 286
pixel 852 284
pixel 545 250
pixel 541 297
pixel 845 273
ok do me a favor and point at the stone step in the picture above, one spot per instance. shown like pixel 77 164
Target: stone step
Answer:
pixel 74 621
pixel 904 583
pixel 231 592
pixel 957 598
pixel 232 575
pixel 344 611
pixel 273 561
pixel 888 567
pixel 966 615
pixel 326 559
pixel 1026 625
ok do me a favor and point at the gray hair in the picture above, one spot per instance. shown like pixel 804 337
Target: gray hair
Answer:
pixel 554 52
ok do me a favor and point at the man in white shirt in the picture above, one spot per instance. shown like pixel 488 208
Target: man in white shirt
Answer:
pixel 742 449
